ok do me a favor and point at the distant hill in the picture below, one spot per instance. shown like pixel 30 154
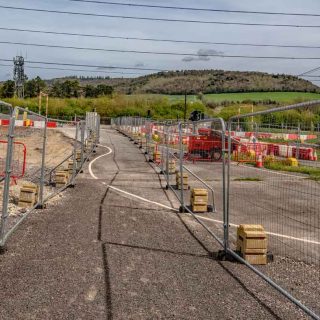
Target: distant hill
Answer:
pixel 205 81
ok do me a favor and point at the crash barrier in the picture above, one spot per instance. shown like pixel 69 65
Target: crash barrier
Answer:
pixel 202 155
pixel 38 162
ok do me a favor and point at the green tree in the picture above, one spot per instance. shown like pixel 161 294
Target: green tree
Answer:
pixel 104 90
pixel 90 91
pixel 7 89
pixel 56 89
pixel 33 87
pixel 71 88
pixel 66 89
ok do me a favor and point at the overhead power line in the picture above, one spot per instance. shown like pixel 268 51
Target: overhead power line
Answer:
pixel 76 70
pixel 309 71
pixel 315 76
pixel 157 39
pixel 83 70
pixel 101 71
pixel 198 9
pixel 86 65
pixel 159 19
pixel 217 55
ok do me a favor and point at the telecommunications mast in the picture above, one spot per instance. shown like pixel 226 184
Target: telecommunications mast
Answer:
pixel 18 76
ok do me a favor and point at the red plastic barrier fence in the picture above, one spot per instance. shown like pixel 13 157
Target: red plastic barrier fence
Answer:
pixel 18 165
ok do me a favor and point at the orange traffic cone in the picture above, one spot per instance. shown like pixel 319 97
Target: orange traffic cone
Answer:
pixel 315 156
pixel 259 163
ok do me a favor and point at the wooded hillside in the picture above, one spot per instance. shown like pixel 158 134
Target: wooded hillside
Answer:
pixel 205 81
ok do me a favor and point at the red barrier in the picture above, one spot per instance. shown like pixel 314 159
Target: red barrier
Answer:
pixel 5 122
pixel 18 165
pixel 51 124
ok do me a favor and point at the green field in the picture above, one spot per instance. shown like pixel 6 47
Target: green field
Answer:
pixel 281 97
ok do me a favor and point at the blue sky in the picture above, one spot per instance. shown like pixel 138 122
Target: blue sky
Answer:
pixel 169 30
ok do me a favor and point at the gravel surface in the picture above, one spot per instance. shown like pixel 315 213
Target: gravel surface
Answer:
pixel 100 254
pixel 58 147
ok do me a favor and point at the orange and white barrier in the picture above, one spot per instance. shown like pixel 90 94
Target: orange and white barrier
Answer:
pixel 266 135
pixel 30 123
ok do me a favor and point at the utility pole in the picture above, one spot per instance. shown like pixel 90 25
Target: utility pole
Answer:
pixel 42 94
pixel 185 106
pixel 252 116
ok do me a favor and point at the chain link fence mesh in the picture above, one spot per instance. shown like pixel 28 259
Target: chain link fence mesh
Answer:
pixel 39 157
pixel 253 173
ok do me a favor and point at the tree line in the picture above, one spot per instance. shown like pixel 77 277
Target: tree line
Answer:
pixel 59 89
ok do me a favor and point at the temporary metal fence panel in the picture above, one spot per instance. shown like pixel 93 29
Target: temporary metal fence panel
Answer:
pixel 18 203
pixel 148 128
pixel 143 131
pixel 283 197
pixel 136 132
pixel 5 114
pixel 157 144
pixel 195 150
pixel 224 163
pixel 174 161
pixel 61 156
pixel 202 149
pixel 93 129
pixel 51 149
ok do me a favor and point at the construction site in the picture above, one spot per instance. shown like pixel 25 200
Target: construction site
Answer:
pixel 175 180
pixel 148 219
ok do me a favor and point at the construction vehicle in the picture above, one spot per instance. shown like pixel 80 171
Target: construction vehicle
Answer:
pixel 208 145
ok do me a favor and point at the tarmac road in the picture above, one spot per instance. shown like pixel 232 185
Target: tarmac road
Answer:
pixel 105 253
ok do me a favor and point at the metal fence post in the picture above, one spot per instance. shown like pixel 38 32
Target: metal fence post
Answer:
pixel 43 163
pixel 148 128
pixel 298 142
pixel 181 154
pixel 167 155
pixel 6 187
pixel 98 129
pixel 74 167
pixel 83 128
pixel 226 188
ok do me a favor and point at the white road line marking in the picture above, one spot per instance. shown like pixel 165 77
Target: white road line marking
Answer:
pixel 269 171
pixel 94 160
pixel 101 145
pixel 173 209
pixel 210 219
pixel 142 199
pixel 267 232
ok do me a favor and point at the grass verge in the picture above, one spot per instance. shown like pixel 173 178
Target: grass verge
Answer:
pixel 248 179
pixel 312 172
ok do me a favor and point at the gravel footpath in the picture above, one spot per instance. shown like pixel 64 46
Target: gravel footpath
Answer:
pixel 100 254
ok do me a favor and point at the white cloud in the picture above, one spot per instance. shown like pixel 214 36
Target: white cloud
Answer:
pixel 202 55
